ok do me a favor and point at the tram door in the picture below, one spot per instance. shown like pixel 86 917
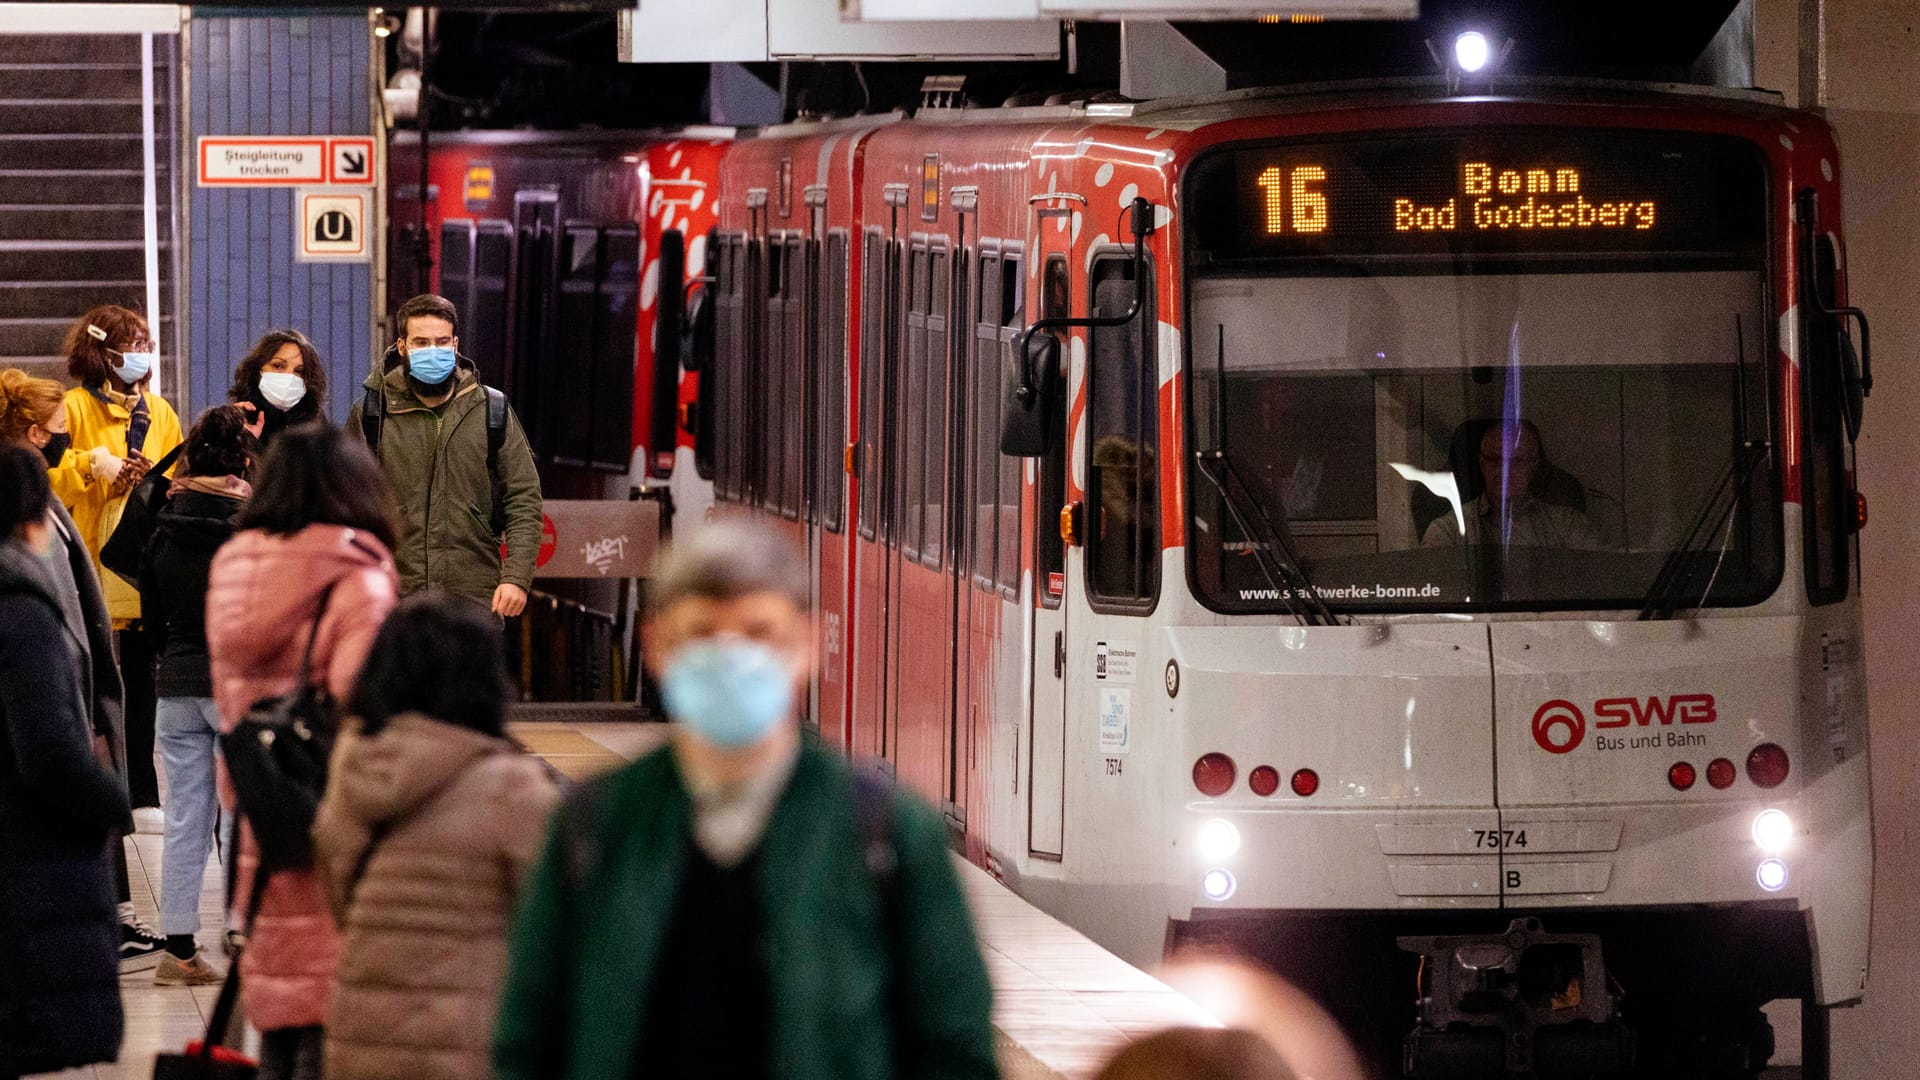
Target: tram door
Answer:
pixel 1047 726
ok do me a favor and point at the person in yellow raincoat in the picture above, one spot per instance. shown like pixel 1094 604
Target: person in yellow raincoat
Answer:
pixel 120 428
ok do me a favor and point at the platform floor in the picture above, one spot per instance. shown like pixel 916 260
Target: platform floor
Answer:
pixel 1061 1003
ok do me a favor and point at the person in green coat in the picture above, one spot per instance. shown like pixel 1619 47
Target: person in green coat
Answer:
pixel 742 903
pixel 432 443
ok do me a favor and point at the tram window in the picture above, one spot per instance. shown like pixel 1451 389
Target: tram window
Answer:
pixel 1049 550
pixel 912 458
pixel 833 472
pixel 796 404
pixel 960 512
pixel 986 410
pixel 735 400
pixel 1826 492
pixel 1123 502
pixel 1013 308
pixel 934 402
pixel 872 334
pixel 773 379
pixel 716 385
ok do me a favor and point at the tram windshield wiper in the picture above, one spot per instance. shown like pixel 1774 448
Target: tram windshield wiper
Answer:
pixel 1716 514
pixel 1272 546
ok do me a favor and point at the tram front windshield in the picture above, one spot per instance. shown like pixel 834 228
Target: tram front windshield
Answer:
pixel 1486 427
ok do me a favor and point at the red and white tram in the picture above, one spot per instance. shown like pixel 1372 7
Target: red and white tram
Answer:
pixel 1434 556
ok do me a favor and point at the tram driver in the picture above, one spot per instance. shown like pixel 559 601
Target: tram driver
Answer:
pixel 1520 501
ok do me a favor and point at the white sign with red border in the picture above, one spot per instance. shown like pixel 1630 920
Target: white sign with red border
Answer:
pixel 285 160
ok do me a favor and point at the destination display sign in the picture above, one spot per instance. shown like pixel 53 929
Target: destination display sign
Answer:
pixel 1495 191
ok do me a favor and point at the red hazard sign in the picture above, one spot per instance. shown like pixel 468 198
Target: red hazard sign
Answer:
pixel 549 541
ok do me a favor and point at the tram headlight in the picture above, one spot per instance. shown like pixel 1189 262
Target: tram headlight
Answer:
pixel 1217 884
pixel 1218 840
pixel 1472 51
pixel 1772 875
pixel 1773 831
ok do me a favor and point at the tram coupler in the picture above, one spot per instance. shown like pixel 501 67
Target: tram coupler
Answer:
pixel 1522 1004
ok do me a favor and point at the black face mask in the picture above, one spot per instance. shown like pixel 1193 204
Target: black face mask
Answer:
pixel 56 448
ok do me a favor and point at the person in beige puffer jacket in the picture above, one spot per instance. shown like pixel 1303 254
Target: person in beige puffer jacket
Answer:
pixel 429 822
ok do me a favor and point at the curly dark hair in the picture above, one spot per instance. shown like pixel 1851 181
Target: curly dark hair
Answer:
pixel 246 378
pixel 440 656
pixel 220 444
pixel 90 358
pixel 314 475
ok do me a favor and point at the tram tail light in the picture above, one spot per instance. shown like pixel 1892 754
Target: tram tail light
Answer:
pixel 1859 511
pixel 1721 773
pixel 1217 884
pixel 1305 782
pixel 1772 831
pixel 1772 875
pixel 1264 780
pixel 1680 775
pixel 1218 840
pixel 1767 765
pixel 1213 774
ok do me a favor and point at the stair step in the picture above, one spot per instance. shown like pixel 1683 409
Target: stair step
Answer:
pixel 43 337
pixel 61 225
pixel 72 81
pixel 58 49
pixel 75 261
pixel 50 187
pixel 61 117
pixel 40 367
pixel 66 299
pixel 40 151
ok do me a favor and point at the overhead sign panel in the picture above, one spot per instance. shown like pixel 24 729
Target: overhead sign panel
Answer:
pixel 748 31
pixel 285 160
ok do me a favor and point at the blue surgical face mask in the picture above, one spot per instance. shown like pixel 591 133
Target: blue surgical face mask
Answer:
pixel 729 691
pixel 432 364
pixel 133 366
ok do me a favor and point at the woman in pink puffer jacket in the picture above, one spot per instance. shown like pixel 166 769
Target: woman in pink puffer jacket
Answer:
pixel 315 544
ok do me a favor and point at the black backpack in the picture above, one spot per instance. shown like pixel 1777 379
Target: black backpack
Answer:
pixel 373 414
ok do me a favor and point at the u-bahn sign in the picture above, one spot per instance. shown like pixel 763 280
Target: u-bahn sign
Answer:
pixel 333 225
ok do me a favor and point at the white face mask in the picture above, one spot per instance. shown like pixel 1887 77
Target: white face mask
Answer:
pixel 281 389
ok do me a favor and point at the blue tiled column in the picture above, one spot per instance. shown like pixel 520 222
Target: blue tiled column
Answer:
pixel 273 74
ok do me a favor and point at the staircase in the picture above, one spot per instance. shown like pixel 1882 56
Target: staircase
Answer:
pixel 72 229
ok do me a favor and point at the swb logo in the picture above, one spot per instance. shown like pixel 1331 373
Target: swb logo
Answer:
pixel 1559 726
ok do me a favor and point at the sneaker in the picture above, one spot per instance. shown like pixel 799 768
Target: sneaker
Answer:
pixel 150 820
pixel 233 941
pixel 193 971
pixel 140 947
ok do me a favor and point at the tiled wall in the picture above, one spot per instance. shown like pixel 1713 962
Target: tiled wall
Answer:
pixel 273 75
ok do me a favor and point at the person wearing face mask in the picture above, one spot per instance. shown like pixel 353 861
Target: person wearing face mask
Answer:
pixel 60 1007
pixel 120 428
pixel 33 411
pixel 742 903
pixel 284 381
pixel 459 464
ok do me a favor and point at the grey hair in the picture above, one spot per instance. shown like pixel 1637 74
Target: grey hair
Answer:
pixel 725 559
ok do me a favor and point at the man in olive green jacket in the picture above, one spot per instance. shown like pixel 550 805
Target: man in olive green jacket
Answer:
pixel 741 904
pixel 433 448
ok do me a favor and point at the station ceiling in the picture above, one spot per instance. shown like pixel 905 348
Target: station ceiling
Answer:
pixel 503 69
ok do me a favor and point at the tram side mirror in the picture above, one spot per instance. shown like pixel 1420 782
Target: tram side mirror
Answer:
pixel 670 314
pixel 1030 387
